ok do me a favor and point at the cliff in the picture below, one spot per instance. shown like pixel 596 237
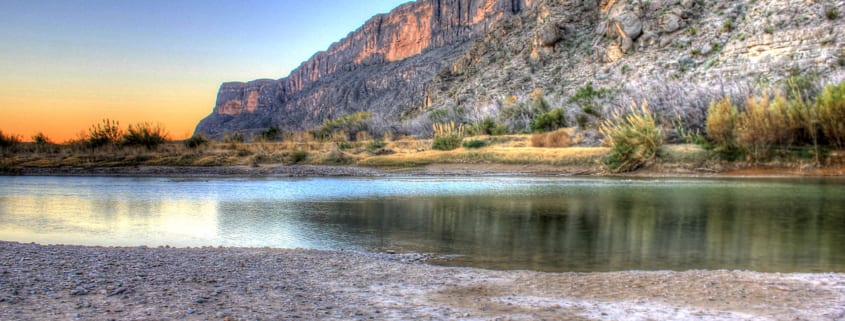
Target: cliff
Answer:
pixel 435 60
pixel 384 67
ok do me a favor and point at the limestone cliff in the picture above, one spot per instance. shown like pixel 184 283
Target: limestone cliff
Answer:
pixel 384 67
pixel 467 59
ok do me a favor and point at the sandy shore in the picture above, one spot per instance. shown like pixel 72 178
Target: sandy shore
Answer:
pixel 94 283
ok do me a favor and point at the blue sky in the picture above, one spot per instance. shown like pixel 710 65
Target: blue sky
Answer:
pixel 104 57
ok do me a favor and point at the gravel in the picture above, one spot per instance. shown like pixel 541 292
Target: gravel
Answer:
pixel 102 283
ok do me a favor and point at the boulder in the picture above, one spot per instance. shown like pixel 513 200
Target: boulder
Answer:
pixel 670 23
pixel 548 35
pixel 628 25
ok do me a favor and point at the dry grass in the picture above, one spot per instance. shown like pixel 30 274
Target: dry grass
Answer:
pixel 492 155
pixel 556 139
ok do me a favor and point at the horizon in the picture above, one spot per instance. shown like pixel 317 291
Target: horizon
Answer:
pixel 71 64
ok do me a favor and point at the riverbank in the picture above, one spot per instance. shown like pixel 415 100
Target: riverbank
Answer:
pixel 96 283
pixel 509 156
pixel 473 170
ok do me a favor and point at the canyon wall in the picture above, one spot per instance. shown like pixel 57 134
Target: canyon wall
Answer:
pixel 383 67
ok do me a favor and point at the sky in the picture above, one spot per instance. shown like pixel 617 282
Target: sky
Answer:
pixel 67 64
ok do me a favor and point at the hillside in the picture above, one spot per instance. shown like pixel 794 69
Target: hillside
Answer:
pixel 439 60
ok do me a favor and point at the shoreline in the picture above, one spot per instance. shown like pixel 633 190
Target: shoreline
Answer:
pixel 58 282
pixel 445 169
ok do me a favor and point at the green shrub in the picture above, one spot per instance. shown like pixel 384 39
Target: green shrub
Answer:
pixel 376 144
pixel 487 126
pixel 195 141
pixel 447 136
pixel 344 145
pixel 349 124
pixel 634 139
pixel 271 134
pixel 475 144
pixel 549 121
pixel 145 134
pixel 832 13
pixel 297 156
pixel 446 142
pixel 831 108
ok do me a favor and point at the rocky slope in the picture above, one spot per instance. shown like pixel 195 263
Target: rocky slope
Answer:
pixel 385 67
pixel 467 59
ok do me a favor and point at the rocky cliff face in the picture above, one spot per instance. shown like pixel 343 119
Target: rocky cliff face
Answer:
pixel 383 67
pixel 468 59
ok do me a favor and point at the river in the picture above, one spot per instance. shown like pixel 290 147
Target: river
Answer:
pixel 546 224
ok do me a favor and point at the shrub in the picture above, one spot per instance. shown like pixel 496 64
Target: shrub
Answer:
pixel 549 121
pixel 447 136
pixel 831 109
pixel 760 126
pixel 487 126
pixel 832 13
pixel 195 141
pixel 475 144
pixel 350 124
pixel 107 133
pixel 297 156
pixel 145 134
pixel 555 139
pixel 9 142
pixel 376 144
pixel 720 125
pixel 233 138
pixel 633 139
pixel 271 134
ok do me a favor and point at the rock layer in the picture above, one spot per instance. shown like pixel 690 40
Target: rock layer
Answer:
pixel 384 67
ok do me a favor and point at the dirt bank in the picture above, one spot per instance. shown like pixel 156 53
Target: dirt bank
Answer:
pixel 93 283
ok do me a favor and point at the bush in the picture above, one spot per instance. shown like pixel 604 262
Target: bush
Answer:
pixel 233 138
pixel 757 127
pixel 475 144
pixel 549 121
pixel 555 139
pixel 145 134
pixel 720 125
pixel 195 141
pixel 447 136
pixel 831 108
pixel 487 126
pixel 633 139
pixel 107 133
pixel 271 134
pixel 376 144
pixel 349 124
pixel 832 13
pixel 297 156
pixel 9 142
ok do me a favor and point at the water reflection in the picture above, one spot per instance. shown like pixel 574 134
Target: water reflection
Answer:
pixel 500 223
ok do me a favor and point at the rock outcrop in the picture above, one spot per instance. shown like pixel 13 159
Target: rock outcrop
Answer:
pixel 384 67
pixel 468 59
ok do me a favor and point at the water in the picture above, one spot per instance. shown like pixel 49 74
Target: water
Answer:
pixel 549 224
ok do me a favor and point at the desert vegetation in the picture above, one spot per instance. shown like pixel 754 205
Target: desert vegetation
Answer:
pixel 797 124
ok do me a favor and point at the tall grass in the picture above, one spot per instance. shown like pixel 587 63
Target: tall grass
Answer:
pixel 447 136
pixel 634 138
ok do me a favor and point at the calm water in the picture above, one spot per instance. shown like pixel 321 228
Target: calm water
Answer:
pixel 551 224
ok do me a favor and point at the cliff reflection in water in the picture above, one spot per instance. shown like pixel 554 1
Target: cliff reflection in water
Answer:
pixel 580 227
